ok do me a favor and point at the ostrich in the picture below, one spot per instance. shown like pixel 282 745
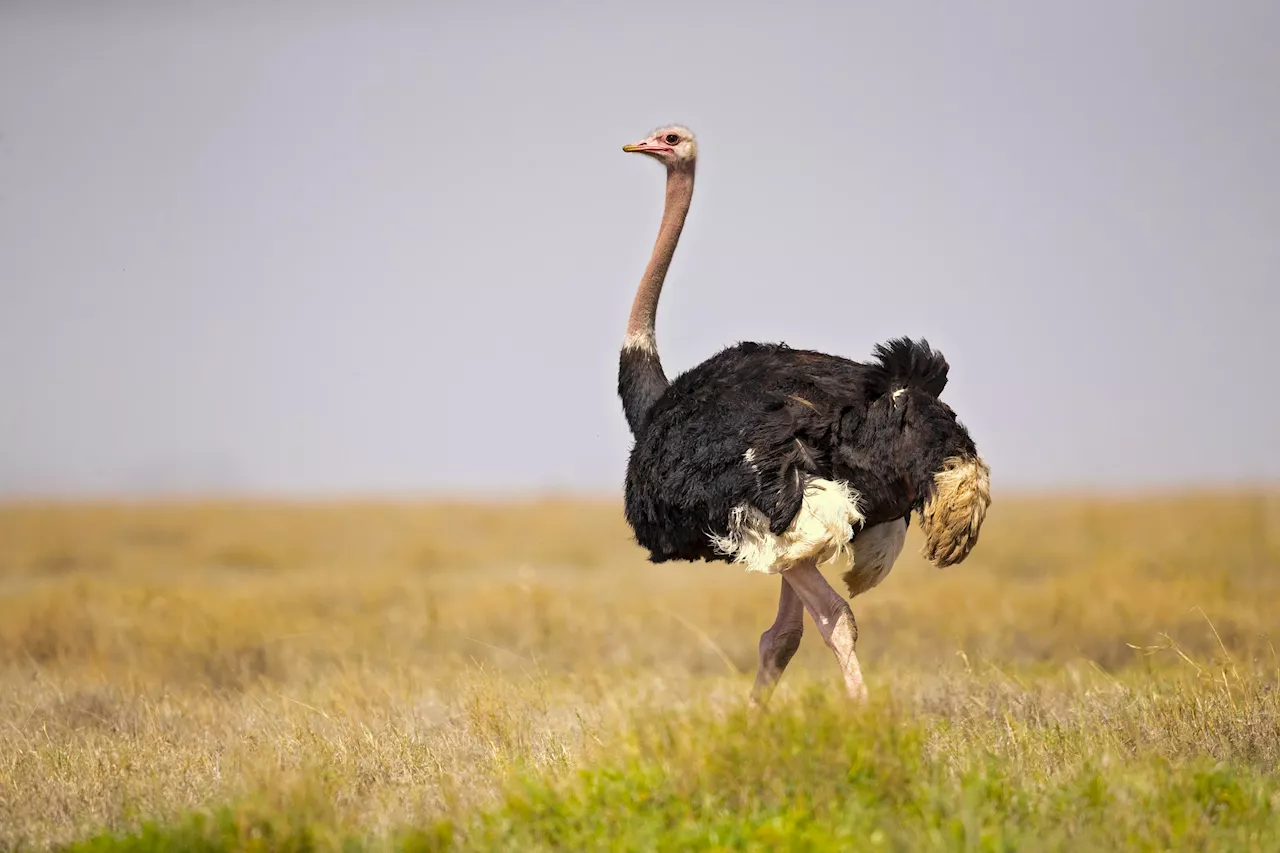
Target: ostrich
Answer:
pixel 781 460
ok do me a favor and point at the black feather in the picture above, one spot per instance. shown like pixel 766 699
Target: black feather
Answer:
pixel 801 414
pixel 910 364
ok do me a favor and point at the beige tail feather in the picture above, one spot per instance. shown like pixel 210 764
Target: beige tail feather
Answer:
pixel 954 514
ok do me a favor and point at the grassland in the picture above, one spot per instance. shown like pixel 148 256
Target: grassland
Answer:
pixel 1098 675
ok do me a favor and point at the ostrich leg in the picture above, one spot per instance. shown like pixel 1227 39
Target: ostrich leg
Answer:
pixel 834 619
pixel 778 644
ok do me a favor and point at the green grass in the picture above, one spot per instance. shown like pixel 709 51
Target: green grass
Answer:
pixel 1159 763
pixel 1135 769
pixel 1099 675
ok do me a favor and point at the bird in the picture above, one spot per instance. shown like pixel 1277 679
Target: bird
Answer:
pixel 783 460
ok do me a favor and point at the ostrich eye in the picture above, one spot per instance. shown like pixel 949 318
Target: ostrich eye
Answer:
pixel 672 139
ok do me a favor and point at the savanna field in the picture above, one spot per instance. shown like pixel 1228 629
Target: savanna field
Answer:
pixel 1099 675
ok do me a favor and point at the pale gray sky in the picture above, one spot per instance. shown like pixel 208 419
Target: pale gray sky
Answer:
pixel 321 247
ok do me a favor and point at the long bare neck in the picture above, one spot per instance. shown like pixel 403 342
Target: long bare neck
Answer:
pixel 641 380
pixel 644 308
pixel 640 375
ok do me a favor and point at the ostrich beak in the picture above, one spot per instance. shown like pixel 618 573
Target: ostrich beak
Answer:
pixel 634 146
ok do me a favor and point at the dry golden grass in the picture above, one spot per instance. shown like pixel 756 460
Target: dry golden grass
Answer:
pixel 382 665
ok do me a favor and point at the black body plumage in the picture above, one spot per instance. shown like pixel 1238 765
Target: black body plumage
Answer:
pixel 753 423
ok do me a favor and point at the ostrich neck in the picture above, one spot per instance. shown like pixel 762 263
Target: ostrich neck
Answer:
pixel 644 309
pixel 641 380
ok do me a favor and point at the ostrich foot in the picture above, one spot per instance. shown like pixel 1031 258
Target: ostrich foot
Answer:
pixel 778 644
pixel 834 619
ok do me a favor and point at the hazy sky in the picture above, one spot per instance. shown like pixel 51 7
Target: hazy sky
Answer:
pixel 321 247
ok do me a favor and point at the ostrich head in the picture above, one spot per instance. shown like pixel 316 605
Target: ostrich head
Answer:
pixel 674 146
